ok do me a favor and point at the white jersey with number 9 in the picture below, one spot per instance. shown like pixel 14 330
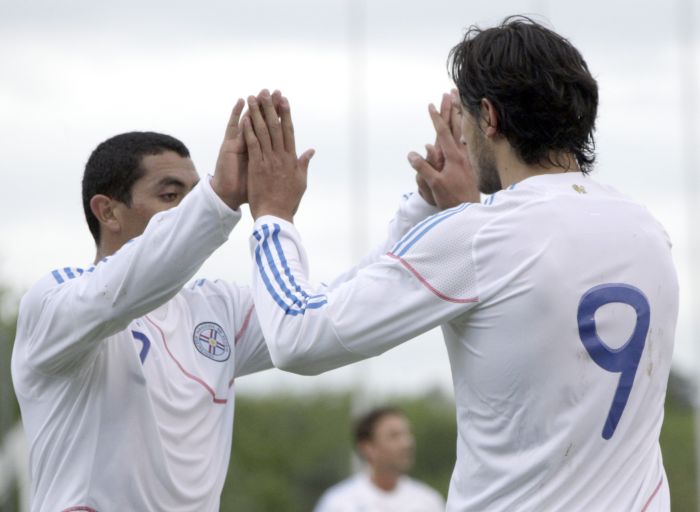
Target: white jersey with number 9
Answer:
pixel 558 301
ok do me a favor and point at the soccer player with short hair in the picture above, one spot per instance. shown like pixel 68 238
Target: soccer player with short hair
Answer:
pixel 384 440
pixel 557 296
pixel 124 376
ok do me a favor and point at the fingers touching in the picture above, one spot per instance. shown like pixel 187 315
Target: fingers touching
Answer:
pixel 259 126
pixel 251 141
pixel 434 156
pixel 232 130
pixel 445 176
pixel 272 119
pixel 287 126
pixel 444 134
pixel 422 167
pixel 276 177
pixel 456 116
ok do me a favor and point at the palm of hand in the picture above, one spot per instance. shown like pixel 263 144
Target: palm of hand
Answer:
pixel 232 166
pixel 446 177
pixel 459 181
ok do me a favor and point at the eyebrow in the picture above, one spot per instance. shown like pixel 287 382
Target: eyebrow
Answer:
pixel 171 180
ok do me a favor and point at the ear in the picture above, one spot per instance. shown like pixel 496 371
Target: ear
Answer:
pixel 489 118
pixel 364 448
pixel 102 207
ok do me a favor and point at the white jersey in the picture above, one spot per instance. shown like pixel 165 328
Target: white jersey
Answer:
pixel 359 494
pixel 558 301
pixel 125 379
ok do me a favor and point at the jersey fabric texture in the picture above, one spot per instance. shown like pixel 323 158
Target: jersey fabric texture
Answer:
pixel 125 378
pixel 558 301
pixel 359 494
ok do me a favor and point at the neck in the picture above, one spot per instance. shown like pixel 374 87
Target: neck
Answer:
pixel 512 169
pixel 106 248
pixel 385 480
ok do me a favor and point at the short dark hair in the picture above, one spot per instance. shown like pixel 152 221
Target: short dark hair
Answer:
pixel 366 424
pixel 544 96
pixel 115 165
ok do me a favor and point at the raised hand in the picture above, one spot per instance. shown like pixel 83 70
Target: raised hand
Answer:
pixel 276 176
pixel 433 152
pixel 445 177
pixel 230 175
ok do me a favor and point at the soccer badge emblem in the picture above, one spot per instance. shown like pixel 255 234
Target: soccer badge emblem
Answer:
pixel 211 341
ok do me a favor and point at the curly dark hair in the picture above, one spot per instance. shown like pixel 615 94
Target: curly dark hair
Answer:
pixel 544 96
pixel 115 165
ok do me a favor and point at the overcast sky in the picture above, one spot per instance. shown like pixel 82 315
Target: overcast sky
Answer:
pixel 75 73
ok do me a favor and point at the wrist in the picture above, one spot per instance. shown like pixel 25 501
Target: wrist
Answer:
pixel 230 201
pixel 281 213
pixel 427 200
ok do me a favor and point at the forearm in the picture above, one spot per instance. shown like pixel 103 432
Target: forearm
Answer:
pixel 309 331
pixel 150 270
pixel 412 210
pixel 138 278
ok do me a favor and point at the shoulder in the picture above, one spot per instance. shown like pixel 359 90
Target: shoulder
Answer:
pixel 636 213
pixel 342 491
pixel 63 275
pixel 216 289
pixel 50 283
pixel 222 299
pixel 457 226
pixel 40 313
pixel 439 248
pixel 421 491
pixel 433 228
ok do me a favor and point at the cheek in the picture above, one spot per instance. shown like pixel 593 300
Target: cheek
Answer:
pixel 469 137
pixel 473 153
pixel 139 218
pixel 465 128
pixel 147 209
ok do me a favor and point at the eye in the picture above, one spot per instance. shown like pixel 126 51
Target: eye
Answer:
pixel 169 197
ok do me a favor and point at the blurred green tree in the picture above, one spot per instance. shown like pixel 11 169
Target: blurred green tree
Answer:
pixel 9 409
pixel 288 449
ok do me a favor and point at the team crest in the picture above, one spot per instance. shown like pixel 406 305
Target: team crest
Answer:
pixel 211 341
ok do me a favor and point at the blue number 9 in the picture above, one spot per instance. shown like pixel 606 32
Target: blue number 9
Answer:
pixel 623 360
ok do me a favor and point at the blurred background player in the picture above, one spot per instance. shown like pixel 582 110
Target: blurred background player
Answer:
pixel 557 296
pixel 384 441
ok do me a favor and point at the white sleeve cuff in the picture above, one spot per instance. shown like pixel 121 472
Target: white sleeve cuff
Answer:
pixel 415 208
pixel 271 219
pixel 228 216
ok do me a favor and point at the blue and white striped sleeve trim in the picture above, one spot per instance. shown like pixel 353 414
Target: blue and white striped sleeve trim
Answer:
pixel 198 284
pixel 62 275
pixel 420 229
pixel 277 276
pixel 489 200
